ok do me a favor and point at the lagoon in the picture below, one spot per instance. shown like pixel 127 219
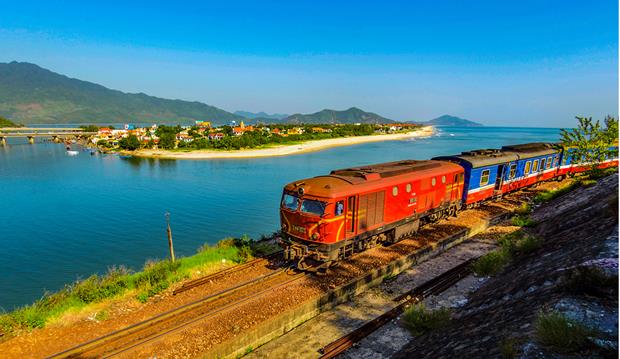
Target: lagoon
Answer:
pixel 67 217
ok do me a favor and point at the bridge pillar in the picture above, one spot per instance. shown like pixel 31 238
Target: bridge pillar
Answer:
pixel 31 140
pixel 56 139
pixel 2 141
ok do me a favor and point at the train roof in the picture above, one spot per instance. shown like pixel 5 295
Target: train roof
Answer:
pixel 532 149
pixel 341 182
pixel 481 158
pixel 489 157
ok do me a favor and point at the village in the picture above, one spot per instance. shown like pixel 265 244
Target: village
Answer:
pixel 234 136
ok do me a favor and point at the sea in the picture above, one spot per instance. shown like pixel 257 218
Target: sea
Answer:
pixel 67 217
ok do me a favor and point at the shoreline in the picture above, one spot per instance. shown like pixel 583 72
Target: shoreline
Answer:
pixel 284 150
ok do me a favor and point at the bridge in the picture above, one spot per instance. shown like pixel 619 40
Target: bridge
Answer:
pixel 56 133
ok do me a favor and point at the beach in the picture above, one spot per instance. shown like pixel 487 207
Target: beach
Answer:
pixel 283 150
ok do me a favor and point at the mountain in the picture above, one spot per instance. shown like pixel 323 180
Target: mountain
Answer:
pixel 6 123
pixel 31 94
pixel 447 120
pixel 262 115
pixel 352 115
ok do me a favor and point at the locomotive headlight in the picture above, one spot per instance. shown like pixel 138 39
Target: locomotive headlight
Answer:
pixel 284 227
pixel 316 236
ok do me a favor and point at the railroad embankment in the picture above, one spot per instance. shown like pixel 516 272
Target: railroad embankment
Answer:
pixel 556 298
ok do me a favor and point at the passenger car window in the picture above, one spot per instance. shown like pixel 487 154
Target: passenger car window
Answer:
pixel 443 179
pixel 549 159
pixel 528 164
pixel 535 166
pixel 484 177
pixel 542 164
pixel 395 191
pixel 513 171
pixel 408 187
pixel 433 181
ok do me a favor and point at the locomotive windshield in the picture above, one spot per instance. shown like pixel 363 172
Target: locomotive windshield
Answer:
pixel 311 206
pixel 291 202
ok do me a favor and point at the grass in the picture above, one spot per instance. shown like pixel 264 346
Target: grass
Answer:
pixel 509 348
pixel 510 246
pixel 563 335
pixel 592 281
pixel 119 282
pixel 419 320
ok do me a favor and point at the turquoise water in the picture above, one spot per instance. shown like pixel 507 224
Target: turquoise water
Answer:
pixel 67 217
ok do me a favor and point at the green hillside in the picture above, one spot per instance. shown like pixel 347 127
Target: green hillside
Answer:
pixel 352 115
pixel 31 94
pixel 6 123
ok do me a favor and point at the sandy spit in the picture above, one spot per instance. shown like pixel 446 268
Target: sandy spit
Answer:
pixel 282 150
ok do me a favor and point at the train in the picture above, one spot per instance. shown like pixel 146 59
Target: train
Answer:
pixel 328 218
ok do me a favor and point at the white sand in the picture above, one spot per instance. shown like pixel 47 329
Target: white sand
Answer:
pixel 285 149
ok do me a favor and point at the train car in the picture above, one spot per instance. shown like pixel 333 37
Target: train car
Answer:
pixel 484 170
pixel 570 165
pixel 330 217
pixel 537 162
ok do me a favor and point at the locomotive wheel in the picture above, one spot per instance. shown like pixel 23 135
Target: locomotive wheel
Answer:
pixel 307 264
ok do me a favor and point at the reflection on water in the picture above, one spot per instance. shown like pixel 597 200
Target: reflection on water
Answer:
pixel 67 217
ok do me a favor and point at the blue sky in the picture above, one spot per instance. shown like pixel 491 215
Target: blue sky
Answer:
pixel 528 63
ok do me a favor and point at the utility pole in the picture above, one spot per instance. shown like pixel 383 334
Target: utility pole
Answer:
pixel 170 246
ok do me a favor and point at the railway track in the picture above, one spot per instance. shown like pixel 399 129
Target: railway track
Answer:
pixel 208 278
pixel 132 338
pixel 432 287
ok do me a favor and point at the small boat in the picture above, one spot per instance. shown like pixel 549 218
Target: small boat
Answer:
pixel 73 153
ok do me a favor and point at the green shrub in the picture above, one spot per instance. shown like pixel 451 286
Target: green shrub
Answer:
pixel 490 263
pixel 561 334
pixel 592 281
pixel 419 320
pixel 523 221
pixel 509 348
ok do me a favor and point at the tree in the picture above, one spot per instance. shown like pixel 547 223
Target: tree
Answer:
pixel 590 141
pixel 167 140
pixel 130 143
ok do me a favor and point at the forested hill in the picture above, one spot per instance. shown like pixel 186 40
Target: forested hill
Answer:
pixel 447 120
pixel 31 94
pixel 352 115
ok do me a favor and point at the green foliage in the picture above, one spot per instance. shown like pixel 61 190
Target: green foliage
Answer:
pixel 561 334
pixel 509 348
pixel 90 128
pixel 103 143
pixel 130 143
pixel 590 140
pixel 419 320
pixel 490 263
pixel 510 246
pixel 523 221
pixel 167 141
pixel 4 122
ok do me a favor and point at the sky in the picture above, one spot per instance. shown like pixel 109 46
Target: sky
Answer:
pixel 521 63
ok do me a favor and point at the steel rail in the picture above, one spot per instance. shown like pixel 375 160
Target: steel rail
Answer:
pixel 432 287
pixel 202 280
pixel 198 318
pixel 160 318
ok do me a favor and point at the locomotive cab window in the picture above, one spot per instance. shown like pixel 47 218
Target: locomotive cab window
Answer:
pixel 339 208
pixel 513 170
pixel 290 202
pixel 484 177
pixel 395 191
pixel 528 164
pixel 311 206
pixel 535 166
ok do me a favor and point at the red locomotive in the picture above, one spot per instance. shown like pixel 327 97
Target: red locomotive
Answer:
pixel 328 218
